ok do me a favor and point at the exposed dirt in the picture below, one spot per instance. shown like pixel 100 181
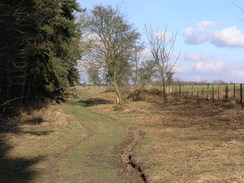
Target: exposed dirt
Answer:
pixel 128 168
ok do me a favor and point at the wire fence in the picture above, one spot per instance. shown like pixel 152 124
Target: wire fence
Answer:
pixel 209 91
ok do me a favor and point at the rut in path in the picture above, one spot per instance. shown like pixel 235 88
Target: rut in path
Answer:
pixel 126 157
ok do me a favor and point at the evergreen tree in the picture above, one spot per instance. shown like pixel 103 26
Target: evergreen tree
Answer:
pixel 39 49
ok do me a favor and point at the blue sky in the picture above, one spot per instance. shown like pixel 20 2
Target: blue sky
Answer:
pixel 210 33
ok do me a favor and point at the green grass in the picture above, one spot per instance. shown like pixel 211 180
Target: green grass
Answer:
pixel 91 160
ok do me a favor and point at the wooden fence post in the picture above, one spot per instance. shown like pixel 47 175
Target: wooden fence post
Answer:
pixel 207 91
pixel 197 91
pixel 226 92
pixel 241 96
pixel 234 91
pixel 218 92
pixel 183 90
pixel 213 92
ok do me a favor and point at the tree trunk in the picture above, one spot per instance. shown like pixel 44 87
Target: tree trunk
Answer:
pixel 118 97
pixel 164 91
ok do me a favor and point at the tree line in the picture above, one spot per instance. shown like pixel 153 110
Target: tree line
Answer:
pixel 39 50
pixel 44 42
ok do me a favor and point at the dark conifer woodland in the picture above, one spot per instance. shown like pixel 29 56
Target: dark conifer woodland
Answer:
pixel 39 49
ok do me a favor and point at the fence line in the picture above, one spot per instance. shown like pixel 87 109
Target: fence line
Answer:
pixel 209 91
pixel 205 92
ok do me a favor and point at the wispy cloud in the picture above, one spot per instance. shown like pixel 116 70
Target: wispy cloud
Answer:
pixel 178 69
pixel 194 57
pixel 208 68
pixel 200 34
pixel 145 54
pixel 204 32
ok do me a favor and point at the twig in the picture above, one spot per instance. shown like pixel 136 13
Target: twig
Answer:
pixel 11 100
pixel 238 6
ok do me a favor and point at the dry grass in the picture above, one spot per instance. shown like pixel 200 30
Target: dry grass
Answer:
pixel 29 140
pixel 186 140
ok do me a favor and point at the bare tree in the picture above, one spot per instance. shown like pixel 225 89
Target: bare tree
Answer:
pixel 115 43
pixel 162 47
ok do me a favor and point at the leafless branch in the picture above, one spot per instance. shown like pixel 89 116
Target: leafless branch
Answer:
pixel 242 10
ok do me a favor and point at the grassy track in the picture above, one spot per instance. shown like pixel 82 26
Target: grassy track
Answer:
pixel 91 160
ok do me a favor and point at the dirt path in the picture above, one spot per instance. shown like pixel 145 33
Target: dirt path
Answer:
pixel 103 155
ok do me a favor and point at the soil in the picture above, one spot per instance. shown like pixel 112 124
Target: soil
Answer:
pixel 128 168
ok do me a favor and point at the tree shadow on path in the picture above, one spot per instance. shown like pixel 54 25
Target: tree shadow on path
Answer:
pixel 14 169
pixel 95 101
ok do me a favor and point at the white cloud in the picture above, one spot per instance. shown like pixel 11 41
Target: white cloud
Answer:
pixel 200 34
pixel 200 71
pixel 163 35
pixel 178 69
pixel 203 32
pixel 194 57
pixel 229 37
pixel 146 53
pixel 209 66
pixel 195 36
pixel 239 74
pixel 210 69
pixel 204 24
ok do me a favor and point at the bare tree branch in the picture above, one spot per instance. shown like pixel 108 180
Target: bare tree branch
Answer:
pixel 242 10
